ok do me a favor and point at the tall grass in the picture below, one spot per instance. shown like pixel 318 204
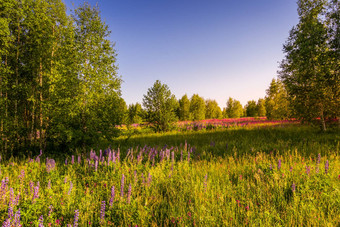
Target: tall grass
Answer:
pixel 267 176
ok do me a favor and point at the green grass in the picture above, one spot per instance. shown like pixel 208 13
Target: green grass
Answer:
pixel 238 185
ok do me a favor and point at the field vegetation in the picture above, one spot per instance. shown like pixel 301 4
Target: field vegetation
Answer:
pixel 287 175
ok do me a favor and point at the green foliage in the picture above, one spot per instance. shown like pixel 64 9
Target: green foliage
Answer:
pixel 212 110
pixel 160 106
pixel 135 114
pixel 261 108
pixel 197 108
pixel 276 101
pixel 310 70
pixel 234 109
pixel 184 108
pixel 58 79
pixel 251 109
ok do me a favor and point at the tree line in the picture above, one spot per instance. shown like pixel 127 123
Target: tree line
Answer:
pixel 161 108
pixel 59 87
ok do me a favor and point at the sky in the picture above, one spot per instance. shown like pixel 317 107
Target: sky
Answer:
pixel 215 48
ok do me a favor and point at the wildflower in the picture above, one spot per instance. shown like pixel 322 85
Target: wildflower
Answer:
pixel 319 159
pixel 102 211
pixel 72 160
pixel 247 208
pixel 291 169
pixel 79 159
pixel 96 165
pixel 50 165
pixel 279 164
pixel 149 179
pixel 293 187
pixel 49 184
pixel 17 218
pixel 71 186
pixel 129 194
pixel 41 221
pixel 50 211
pixel 122 186
pixel 66 161
pixel 112 195
pixel 326 167
pixel 76 217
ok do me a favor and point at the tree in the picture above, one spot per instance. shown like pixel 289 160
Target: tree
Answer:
pixel 212 110
pixel 197 108
pixel 276 101
pixel 251 109
pixel 310 75
pixel 234 109
pixel 261 108
pixel 97 74
pixel 184 108
pixel 160 106
pixel 135 114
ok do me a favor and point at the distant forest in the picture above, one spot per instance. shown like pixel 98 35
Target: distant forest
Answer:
pixel 59 87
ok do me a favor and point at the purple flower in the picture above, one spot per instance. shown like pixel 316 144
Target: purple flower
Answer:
pixel 17 218
pixel 76 217
pixel 326 166
pixel 293 187
pixel 149 179
pixel 129 194
pixel 41 221
pixel 49 184
pixel 279 164
pixel 66 161
pixel 36 192
pixel 50 165
pixel 307 170
pixel 10 211
pixel 50 211
pixel 102 210
pixel 7 223
pixel 79 159
pixel 112 196
pixel 96 165
pixel 122 186
pixel 319 159
pixel 71 186
pixel 72 161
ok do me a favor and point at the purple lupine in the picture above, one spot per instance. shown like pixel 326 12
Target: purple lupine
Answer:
pixel 71 186
pixel 31 186
pixel 271 167
pixel 79 159
pixel 205 182
pixel 307 170
pixel 112 196
pixel 149 179
pixel 135 176
pixel 50 211
pixel 279 164
pixel 291 169
pixel 11 196
pixel 129 194
pixel 36 192
pixel 326 166
pixel 76 217
pixel 49 184
pixel 17 198
pixel 319 159
pixel 293 187
pixel 17 218
pixel 7 223
pixel 181 155
pixel 65 180
pixel 96 165
pixel 10 211
pixel 72 160
pixel 41 221
pixel 122 186
pixel 188 156
pixel 172 156
pixel 102 211
pixel 66 161
pixel 50 164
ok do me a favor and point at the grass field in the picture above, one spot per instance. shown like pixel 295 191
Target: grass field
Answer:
pixel 264 176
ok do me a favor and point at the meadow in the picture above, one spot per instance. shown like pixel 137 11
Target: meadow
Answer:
pixel 286 175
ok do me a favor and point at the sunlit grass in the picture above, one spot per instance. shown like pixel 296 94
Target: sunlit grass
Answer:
pixel 267 176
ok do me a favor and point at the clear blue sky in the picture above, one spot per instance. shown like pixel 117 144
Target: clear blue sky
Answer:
pixel 215 48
